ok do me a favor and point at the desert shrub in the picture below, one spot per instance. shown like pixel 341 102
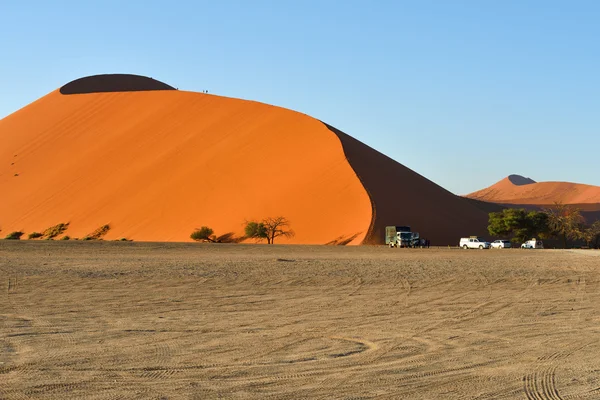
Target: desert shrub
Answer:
pixel 98 233
pixel 34 235
pixel 55 230
pixel 65 238
pixel 14 236
pixel 203 233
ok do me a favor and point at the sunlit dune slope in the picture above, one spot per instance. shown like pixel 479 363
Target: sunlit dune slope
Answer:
pixel 514 191
pixel 157 164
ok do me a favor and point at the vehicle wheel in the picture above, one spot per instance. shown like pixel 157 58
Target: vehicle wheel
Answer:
pixel 480 247
pixel 465 247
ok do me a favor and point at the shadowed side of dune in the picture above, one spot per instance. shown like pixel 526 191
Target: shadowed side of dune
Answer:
pixel 113 83
pixel 485 206
pixel 400 196
pixel 591 216
pixel 520 180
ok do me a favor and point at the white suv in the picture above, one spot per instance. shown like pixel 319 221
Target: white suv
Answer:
pixel 500 244
pixel 473 243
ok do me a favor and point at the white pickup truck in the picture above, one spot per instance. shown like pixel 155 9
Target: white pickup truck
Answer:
pixel 473 242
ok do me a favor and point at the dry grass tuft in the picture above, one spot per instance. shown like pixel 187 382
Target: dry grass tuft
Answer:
pixel 98 233
pixel 55 230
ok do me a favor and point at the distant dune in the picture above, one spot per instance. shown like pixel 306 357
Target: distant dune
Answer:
pixel 155 163
pixel 516 189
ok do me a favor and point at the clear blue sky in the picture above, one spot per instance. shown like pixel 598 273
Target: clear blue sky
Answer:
pixel 463 92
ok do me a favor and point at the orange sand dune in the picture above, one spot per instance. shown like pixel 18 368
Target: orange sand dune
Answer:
pixel 155 163
pixel 515 189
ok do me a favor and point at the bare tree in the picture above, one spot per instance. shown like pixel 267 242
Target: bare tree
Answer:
pixel 276 227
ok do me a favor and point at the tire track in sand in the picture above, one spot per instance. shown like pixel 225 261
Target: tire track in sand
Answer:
pixel 540 384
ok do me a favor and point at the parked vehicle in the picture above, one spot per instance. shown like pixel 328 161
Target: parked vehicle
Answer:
pixel 401 236
pixel 473 242
pixel 501 244
pixel 533 244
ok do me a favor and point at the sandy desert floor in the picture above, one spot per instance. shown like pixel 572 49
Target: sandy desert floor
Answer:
pixel 111 320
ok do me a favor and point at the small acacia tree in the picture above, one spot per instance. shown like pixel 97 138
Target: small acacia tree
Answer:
pixel 564 221
pixel 203 233
pixel 596 229
pixel 591 234
pixel 269 228
pixel 255 230
pixel 509 222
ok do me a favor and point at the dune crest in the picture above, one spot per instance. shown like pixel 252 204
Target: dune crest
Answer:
pixel 520 180
pixel 113 83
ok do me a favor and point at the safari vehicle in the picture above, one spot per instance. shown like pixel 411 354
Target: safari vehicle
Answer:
pixel 533 244
pixel 401 236
pixel 473 242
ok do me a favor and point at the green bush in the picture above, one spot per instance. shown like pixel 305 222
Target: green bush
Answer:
pixel 34 235
pixel 65 238
pixel 255 230
pixel 14 236
pixel 204 233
